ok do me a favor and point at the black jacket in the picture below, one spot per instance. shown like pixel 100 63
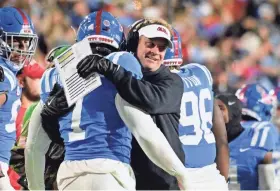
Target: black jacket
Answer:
pixel 159 93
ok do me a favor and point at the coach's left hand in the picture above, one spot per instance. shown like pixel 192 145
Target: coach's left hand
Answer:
pixel 95 63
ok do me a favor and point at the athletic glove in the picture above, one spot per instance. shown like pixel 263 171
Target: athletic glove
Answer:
pixel 95 63
pixel 56 105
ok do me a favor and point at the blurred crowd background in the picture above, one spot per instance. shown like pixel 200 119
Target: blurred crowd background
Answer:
pixel 238 40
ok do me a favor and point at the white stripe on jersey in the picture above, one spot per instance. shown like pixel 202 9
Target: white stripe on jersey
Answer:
pixel 55 79
pixel 45 81
pixel 205 70
pixel 11 77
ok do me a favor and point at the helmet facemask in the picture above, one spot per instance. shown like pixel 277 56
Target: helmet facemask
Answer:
pixel 102 49
pixel 11 47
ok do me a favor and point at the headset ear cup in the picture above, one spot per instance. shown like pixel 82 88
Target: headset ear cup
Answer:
pixel 132 41
pixel 133 37
pixel 129 41
pixel 135 42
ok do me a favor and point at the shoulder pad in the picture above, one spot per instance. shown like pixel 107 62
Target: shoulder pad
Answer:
pixel 202 68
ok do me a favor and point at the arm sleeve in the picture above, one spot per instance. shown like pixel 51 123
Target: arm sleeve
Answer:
pixel 37 146
pixel 155 98
pixel 150 138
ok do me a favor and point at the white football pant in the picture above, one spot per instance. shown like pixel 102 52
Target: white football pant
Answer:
pixel 206 178
pixel 95 174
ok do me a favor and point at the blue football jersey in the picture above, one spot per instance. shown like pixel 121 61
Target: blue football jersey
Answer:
pixel 276 136
pixel 196 116
pixel 8 111
pixel 247 151
pixel 94 128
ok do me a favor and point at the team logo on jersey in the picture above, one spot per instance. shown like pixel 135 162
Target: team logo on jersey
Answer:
pixel 244 149
pixel 106 23
pixel 231 103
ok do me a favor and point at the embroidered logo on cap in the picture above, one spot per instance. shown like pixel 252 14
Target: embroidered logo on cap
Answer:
pixel 162 30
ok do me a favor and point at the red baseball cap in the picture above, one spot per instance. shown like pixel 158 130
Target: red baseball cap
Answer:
pixel 32 70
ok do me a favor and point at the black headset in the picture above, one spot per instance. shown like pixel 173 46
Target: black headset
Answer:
pixel 133 36
pixel 123 45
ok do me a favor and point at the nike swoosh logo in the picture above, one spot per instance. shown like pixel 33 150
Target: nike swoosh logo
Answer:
pixel 231 103
pixel 243 150
pixel 49 102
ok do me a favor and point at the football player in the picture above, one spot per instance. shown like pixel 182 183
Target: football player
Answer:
pixel 97 144
pixel 55 153
pixel 251 141
pixel 200 123
pixel 18 42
